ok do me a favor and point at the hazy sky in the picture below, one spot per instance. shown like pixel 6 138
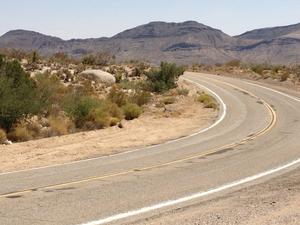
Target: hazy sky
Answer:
pixel 96 18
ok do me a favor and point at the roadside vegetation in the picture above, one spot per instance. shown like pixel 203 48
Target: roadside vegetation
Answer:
pixel 45 97
pixel 281 73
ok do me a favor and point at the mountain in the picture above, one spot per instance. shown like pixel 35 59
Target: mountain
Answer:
pixel 28 40
pixel 277 45
pixel 292 31
pixel 185 43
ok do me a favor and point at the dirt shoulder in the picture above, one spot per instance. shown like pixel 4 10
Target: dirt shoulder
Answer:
pixel 275 202
pixel 179 119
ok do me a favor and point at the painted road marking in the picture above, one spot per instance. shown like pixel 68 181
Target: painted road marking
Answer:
pixel 89 179
pixel 220 119
pixel 190 197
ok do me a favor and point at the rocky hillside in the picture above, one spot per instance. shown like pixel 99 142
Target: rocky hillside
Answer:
pixel 186 43
pixel 277 45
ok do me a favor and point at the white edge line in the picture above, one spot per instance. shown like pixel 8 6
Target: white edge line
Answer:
pixel 220 119
pixel 190 197
pixel 270 89
pixel 200 194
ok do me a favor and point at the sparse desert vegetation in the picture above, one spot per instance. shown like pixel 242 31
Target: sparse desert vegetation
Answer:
pixel 54 96
pixel 280 73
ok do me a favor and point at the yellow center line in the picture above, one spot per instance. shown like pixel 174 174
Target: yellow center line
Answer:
pixel 208 152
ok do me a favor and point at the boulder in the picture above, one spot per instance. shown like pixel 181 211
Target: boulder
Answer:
pixel 99 76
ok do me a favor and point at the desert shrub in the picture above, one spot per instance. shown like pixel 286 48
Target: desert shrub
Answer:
pixel 164 78
pixel 88 60
pixel 284 76
pixel 50 91
pixel 257 68
pixel 169 100
pixel 34 57
pixel 21 132
pixel 3 137
pixel 141 97
pixel 260 68
pixel 132 111
pixel 182 91
pixel 18 94
pixel 118 96
pixel 136 72
pixel 118 77
pixel 61 125
pixel 234 63
pixel 114 121
pixel 78 108
pixel 103 115
pixel 115 111
pixel 275 69
pixel 100 59
pixel 100 117
pixel 128 84
pixel 207 100
pixel 62 58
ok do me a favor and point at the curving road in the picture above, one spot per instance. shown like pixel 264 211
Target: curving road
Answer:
pixel 256 137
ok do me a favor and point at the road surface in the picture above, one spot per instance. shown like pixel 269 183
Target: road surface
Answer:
pixel 255 138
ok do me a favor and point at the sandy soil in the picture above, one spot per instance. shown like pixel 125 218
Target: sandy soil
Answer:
pixel 182 118
pixel 275 202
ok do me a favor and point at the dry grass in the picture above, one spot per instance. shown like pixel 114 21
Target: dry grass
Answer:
pixel 207 100
pixel 61 125
pixel 2 136
pixel 21 132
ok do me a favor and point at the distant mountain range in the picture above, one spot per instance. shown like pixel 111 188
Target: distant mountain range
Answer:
pixel 185 43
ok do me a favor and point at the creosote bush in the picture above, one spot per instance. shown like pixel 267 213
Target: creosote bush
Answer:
pixel 78 108
pixel 164 78
pixel 18 94
pixel 132 111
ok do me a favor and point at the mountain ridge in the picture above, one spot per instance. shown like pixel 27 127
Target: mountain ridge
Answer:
pixel 185 43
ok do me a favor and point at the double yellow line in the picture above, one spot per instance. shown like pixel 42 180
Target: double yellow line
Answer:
pixel 208 152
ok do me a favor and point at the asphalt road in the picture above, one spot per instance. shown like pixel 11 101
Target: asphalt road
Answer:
pixel 259 132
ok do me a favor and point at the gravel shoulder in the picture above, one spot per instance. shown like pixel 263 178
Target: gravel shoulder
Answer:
pixel 275 202
pixel 155 126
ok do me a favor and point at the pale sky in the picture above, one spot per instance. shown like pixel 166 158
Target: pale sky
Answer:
pixel 97 18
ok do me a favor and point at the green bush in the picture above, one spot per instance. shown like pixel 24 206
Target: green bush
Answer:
pixel 88 60
pixel 164 78
pixel 78 108
pixel 132 111
pixel 50 91
pixel 105 114
pixel 18 94
pixel 100 59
